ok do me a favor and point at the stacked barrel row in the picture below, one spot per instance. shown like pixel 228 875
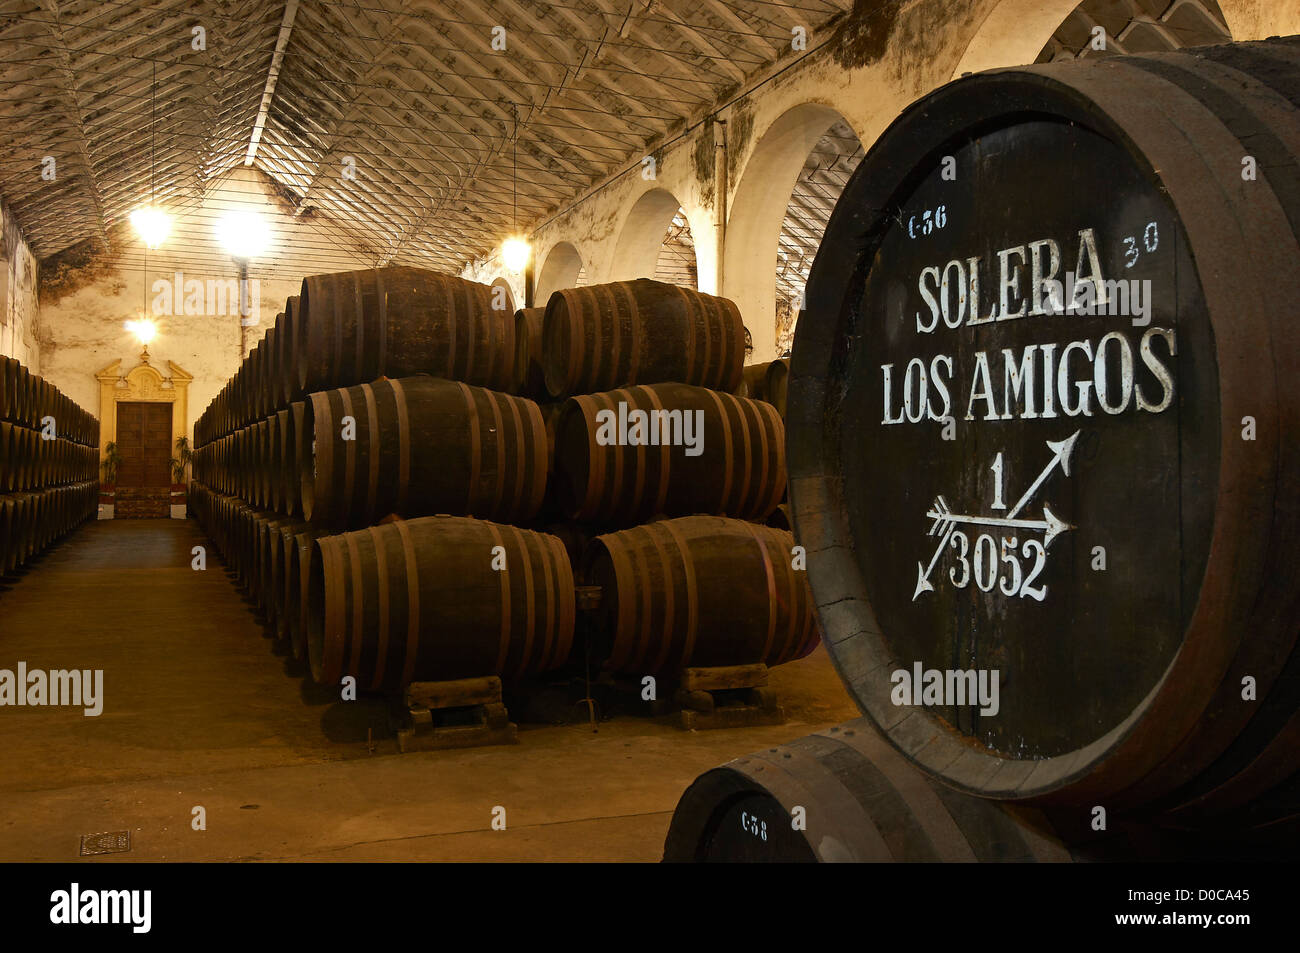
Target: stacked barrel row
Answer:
pixel 409 418
pixel 371 483
pixel 662 476
pixel 49 461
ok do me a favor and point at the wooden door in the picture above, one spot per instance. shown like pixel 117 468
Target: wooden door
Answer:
pixel 144 437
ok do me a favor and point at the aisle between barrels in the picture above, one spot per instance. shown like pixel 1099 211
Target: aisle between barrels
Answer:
pixel 198 712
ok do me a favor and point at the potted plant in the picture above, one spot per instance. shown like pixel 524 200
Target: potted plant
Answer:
pixel 180 464
pixel 108 489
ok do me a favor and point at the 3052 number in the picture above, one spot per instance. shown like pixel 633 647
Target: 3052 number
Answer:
pixel 987 565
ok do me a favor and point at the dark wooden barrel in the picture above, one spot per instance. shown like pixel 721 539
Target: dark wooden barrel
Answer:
pixel 604 472
pixel 781 518
pixel 775 384
pixel 423 446
pixel 27 398
pixel 551 411
pixel 8 458
pixel 258 550
pixel 292 343
pixel 291 455
pixel 1115 536
pixel 417 600
pixel 301 553
pixel 529 380
pixel 574 536
pixel 8 537
pixel 8 389
pixel 253 381
pixel 284 464
pixel 395 322
pixel 284 602
pixel 699 591
pixel 753 381
pixel 847 795
pixel 262 465
pixel 272 359
pixel 599 337
pixel 13 461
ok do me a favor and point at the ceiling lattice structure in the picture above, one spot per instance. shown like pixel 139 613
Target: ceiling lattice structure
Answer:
pixel 677 264
pixel 396 119
pixel 825 173
pixel 1137 26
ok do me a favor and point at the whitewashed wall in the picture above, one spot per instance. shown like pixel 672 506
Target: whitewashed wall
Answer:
pixel 18 296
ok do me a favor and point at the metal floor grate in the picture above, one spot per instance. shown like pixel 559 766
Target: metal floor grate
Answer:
pixel 110 842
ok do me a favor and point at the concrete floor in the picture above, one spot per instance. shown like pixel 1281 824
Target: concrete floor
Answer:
pixel 199 711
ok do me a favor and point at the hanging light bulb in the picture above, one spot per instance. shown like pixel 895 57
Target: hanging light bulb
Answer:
pixel 244 234
pixel 515 252
pixel 153 225
pixel 144 330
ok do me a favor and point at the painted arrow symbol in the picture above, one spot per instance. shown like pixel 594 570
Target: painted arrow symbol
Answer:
pixel 1061 451
pixel 1052 525
pixel 946 521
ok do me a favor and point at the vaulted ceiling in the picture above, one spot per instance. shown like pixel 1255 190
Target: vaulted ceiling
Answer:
pixel 396 119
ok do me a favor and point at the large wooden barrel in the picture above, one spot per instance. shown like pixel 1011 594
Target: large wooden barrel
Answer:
pixel 846 795
pixel 599 337
pixel 422 446
pixel 529 379
pixel 668 449
pixel 699 591
pixel 1090 486
pixel 395 322
pixel 421 600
